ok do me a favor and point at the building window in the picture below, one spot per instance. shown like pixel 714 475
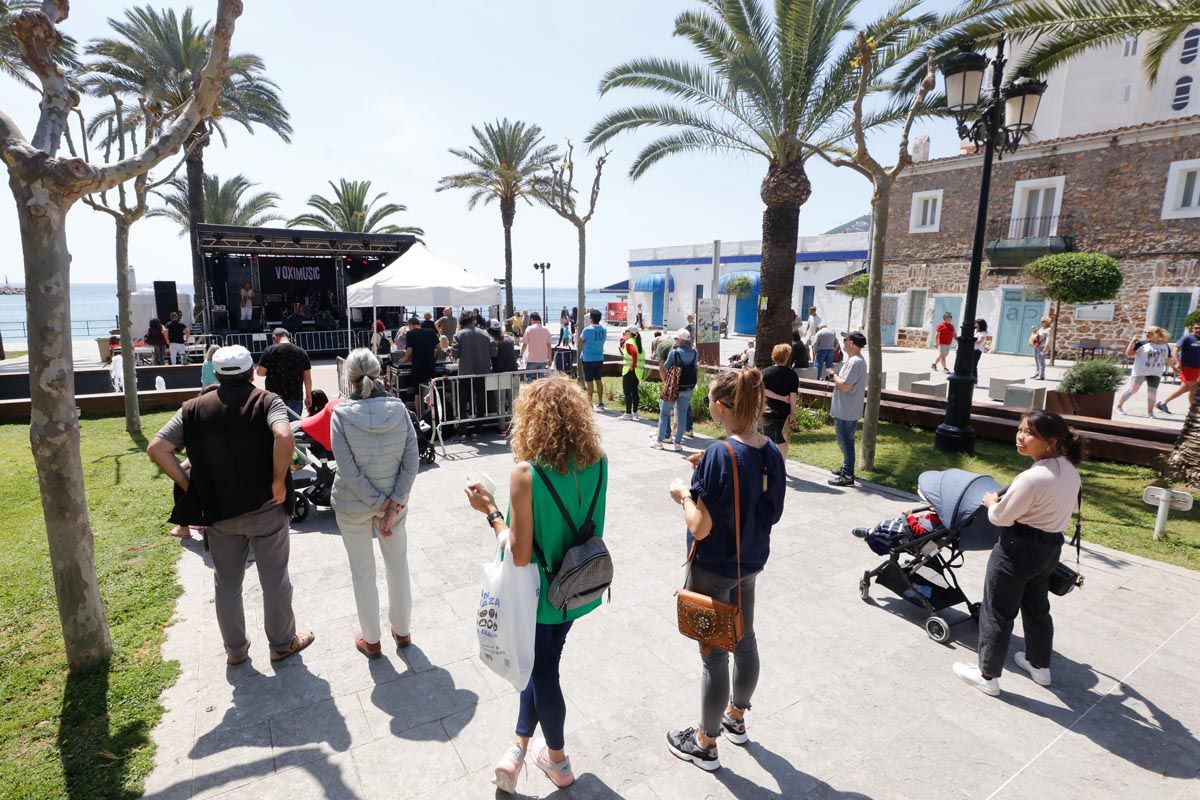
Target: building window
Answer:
pixel 1036 205
pixel 1130 48
pixel 1182 198
pixel 1183 93
pixel 916 308
pixel 926 213
pixel 1191 46
pixel 1122 93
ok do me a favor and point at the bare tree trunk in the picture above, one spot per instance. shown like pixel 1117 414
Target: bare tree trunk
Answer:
pixel 508 212
pixel 581 229
pixel 133 417
pixel 1054 332
pixel 195 180
pixel 54 426
pixel 781 224
pixel 880 203
pixel 1184 463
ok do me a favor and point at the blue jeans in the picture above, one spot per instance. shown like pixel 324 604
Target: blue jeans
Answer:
pixel 296 406
pixel 823 362
pixel 680 407
pixel 542 700
pixel 845 439
pixel 688 427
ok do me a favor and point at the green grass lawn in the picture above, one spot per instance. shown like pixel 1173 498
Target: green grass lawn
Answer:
pixel 84 737
pixel 1113 512
pixel 14 353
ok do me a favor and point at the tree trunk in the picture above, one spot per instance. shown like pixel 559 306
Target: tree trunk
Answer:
pixel 133 417
pixel 725 335
pixel 1184 463
pixel 581 229
pixel 54 426
pixel 508 212
pixel 780 227
pixel 880 203
pixel 1054 332
pixel 195 179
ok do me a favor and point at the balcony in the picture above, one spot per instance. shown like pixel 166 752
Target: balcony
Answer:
pixel 1013 243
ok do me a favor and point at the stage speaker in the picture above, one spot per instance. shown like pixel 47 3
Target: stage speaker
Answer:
pixel 166 299
pixel 220 320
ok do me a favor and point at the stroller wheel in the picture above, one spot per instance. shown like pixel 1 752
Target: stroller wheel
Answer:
pixel 301 507
pixel 937 629
pixel 428 453
pixel 975 610
pixel 864 586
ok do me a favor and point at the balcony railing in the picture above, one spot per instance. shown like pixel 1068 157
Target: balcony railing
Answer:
pixel 1030 227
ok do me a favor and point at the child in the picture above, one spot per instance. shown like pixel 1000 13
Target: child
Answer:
pixel 208 376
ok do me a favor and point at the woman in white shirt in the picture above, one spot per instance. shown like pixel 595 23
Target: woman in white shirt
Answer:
pixel 1031 515
pixel 982 337
pixel 1151 356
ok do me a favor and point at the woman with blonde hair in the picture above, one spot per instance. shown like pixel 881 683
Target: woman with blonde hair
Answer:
pixel 376 450
pixel 1151 356
pixel 208 373
pixel 717 565
pixel 557 448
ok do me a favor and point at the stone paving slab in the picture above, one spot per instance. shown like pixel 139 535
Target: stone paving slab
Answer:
pixel 854 700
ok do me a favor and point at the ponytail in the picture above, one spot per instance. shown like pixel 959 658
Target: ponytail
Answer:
pixel 362 370
pixel 1050 427
pixel 741 391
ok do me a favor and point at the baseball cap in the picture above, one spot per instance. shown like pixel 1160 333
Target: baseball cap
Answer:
pixel 683 334
pixel 495 325
pixel 232 360
pixel 633 329
pixel 856 337
pixel 281 332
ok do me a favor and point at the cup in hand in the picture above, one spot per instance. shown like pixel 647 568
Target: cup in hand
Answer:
pixel 484 480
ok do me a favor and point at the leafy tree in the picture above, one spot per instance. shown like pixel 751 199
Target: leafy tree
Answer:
pixel 738 287
pixel 1075 278
pixel 505 160
pixel 157 56
pixel 223 203
pixel 856 288
pixel 771 85
pixel 351 209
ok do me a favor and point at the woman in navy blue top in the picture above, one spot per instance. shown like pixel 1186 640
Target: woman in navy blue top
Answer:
pixel 735 399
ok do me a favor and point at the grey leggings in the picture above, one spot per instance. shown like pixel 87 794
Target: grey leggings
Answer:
pixel 714 687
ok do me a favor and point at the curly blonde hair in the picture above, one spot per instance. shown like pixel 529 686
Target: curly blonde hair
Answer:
pixel 553 426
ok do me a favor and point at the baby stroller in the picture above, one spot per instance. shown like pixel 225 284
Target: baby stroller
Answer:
pixel 920 566
pixel 313 467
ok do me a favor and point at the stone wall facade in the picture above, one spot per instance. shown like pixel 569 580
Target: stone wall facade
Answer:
pixel 1112 199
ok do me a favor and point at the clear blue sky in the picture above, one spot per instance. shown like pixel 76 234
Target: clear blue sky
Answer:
pixel 378 90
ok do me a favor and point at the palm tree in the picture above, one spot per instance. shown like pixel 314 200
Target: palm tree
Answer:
pixel 223 203
pixel 772 86
pixel 505 160
pixel 154 60
pixel 350 210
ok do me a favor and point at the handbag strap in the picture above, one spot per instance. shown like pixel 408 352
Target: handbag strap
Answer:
pixel 737 518
pixel 563 510
pixel 1078 524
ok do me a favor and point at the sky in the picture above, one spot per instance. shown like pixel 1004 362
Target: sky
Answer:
pixel 379 90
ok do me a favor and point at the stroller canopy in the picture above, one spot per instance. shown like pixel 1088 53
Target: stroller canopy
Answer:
pixel 955 494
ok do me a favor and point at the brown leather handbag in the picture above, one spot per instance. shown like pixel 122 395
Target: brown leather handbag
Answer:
pixel 712 622
pixel 670 385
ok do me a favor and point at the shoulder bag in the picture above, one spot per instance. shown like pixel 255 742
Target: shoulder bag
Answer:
pixel 670 387
pixel 712 622
pixel 1064 579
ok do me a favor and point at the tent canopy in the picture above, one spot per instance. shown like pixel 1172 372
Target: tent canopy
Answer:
pixel 654 282
pixel 420 278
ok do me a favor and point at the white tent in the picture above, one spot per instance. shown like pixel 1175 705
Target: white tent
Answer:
pixel 420 278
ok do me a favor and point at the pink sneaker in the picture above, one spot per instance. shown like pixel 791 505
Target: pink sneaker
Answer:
pixel 559 774
pixel 508 768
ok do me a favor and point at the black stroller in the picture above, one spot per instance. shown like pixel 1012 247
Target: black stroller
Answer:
pixel 920 567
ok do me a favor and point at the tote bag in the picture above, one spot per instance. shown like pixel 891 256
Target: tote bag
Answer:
pixel 507 619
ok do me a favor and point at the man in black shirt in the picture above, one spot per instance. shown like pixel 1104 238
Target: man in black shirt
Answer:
pixel 288 372
pixel 177 336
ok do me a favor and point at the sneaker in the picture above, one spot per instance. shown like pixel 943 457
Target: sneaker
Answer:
pixel 559 774
pixel 1162 407
pixel 508 768
pixel 1040 675
pixel 837 471
pixel 933 366
pixel 677 447
pixel 301 640
pixel 635 418
pixel 860 533
pixel 734 729
pixel 1122 411
pixel 625 416
pixel 841 480
pixel 683 745
pixel 970 673
pixel 656 444
pixel 688 434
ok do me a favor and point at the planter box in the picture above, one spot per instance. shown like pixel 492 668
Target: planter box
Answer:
pixel 1081 405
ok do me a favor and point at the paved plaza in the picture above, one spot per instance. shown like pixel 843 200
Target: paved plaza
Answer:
pixel 854 701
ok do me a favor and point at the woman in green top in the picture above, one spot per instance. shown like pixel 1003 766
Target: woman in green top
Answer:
pixel 552 428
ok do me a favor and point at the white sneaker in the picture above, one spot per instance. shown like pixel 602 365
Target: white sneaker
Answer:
pixel 970 673
pixel 635 418
pixel 1040 675
pixel 508 768
pixel 678 447
pixel 625 416
pixel 656 444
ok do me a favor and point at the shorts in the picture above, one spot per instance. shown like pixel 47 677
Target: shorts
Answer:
pixel 943 349
pixel 1150 380
pixel 1189 374
pixel 773 429
pixel 592 370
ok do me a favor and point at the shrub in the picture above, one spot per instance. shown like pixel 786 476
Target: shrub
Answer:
pixel 1096 376
pixel 700 400
pixel 649 394
pixel 1192 318
pixel 1077 277
pixel 810 418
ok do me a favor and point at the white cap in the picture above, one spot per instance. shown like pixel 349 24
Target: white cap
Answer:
pixel 683 334
pixel 232 360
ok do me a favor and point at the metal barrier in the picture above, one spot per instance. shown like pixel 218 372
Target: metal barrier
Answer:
pixel 472 399
pixel 332 341
pixel 343 388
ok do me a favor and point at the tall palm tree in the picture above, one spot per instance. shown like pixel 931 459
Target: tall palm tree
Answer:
pixel 775 86
pixel 505 160
pixel 351 210
pixel 157 57
pixel 223 203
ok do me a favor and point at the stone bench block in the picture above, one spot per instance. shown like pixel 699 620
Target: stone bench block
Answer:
pixel 930 388
pixel 807 373
pixel 907 378
pixel 997 386
pixel 1026 398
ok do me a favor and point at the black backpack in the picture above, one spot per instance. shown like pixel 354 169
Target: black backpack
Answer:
pixel 385 343
pixel 586 571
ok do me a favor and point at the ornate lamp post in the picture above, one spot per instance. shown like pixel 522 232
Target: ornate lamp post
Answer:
pixel 996 122
pixel 542 267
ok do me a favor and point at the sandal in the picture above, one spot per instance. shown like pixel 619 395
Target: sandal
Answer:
pixel 300 641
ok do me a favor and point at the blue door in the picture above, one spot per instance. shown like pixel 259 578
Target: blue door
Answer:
pixel 940 306
pixel 745 313
pixel 887 322
pixel 1019 312
pixel 1171 311
pixel 658 306
pixel 808 296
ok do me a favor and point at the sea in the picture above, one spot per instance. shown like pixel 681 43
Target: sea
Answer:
pixel 94 308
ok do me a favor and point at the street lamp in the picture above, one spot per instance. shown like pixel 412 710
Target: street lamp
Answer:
pixel 998 121
pixel 542 267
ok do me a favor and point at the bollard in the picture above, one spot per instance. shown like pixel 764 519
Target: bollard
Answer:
pixel 1165 499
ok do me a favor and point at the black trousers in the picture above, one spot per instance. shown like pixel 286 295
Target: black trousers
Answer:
pixel 1018 580
pixel 629 384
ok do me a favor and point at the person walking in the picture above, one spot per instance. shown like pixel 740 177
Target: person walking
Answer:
pixel 239 442
pixel 557 447
pixel 684 358
pixel 288 371
pixel 1039 340
pixel 537 349
pixel 824 343
pixel 1187 352
pixel 375 446
pixel 640 321
pixel 944 336
pixel 1032 516
pixel 717 564
pixel 1151 357
pixel 633 369
pixel 177 338
pixel 591 357
pixel 782 388
pixel 982 345
pixel 846 408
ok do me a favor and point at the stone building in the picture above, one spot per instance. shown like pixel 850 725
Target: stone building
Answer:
pixel 1132 193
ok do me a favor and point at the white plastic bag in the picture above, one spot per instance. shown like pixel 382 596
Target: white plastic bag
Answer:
pixel 507 620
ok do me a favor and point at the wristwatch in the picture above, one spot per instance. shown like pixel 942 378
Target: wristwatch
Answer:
pixel 492 517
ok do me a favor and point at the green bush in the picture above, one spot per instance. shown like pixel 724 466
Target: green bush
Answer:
pixel 1096 376
pixel 649 394
pixel 1192 318
pixel 810 418
pixel 700 400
